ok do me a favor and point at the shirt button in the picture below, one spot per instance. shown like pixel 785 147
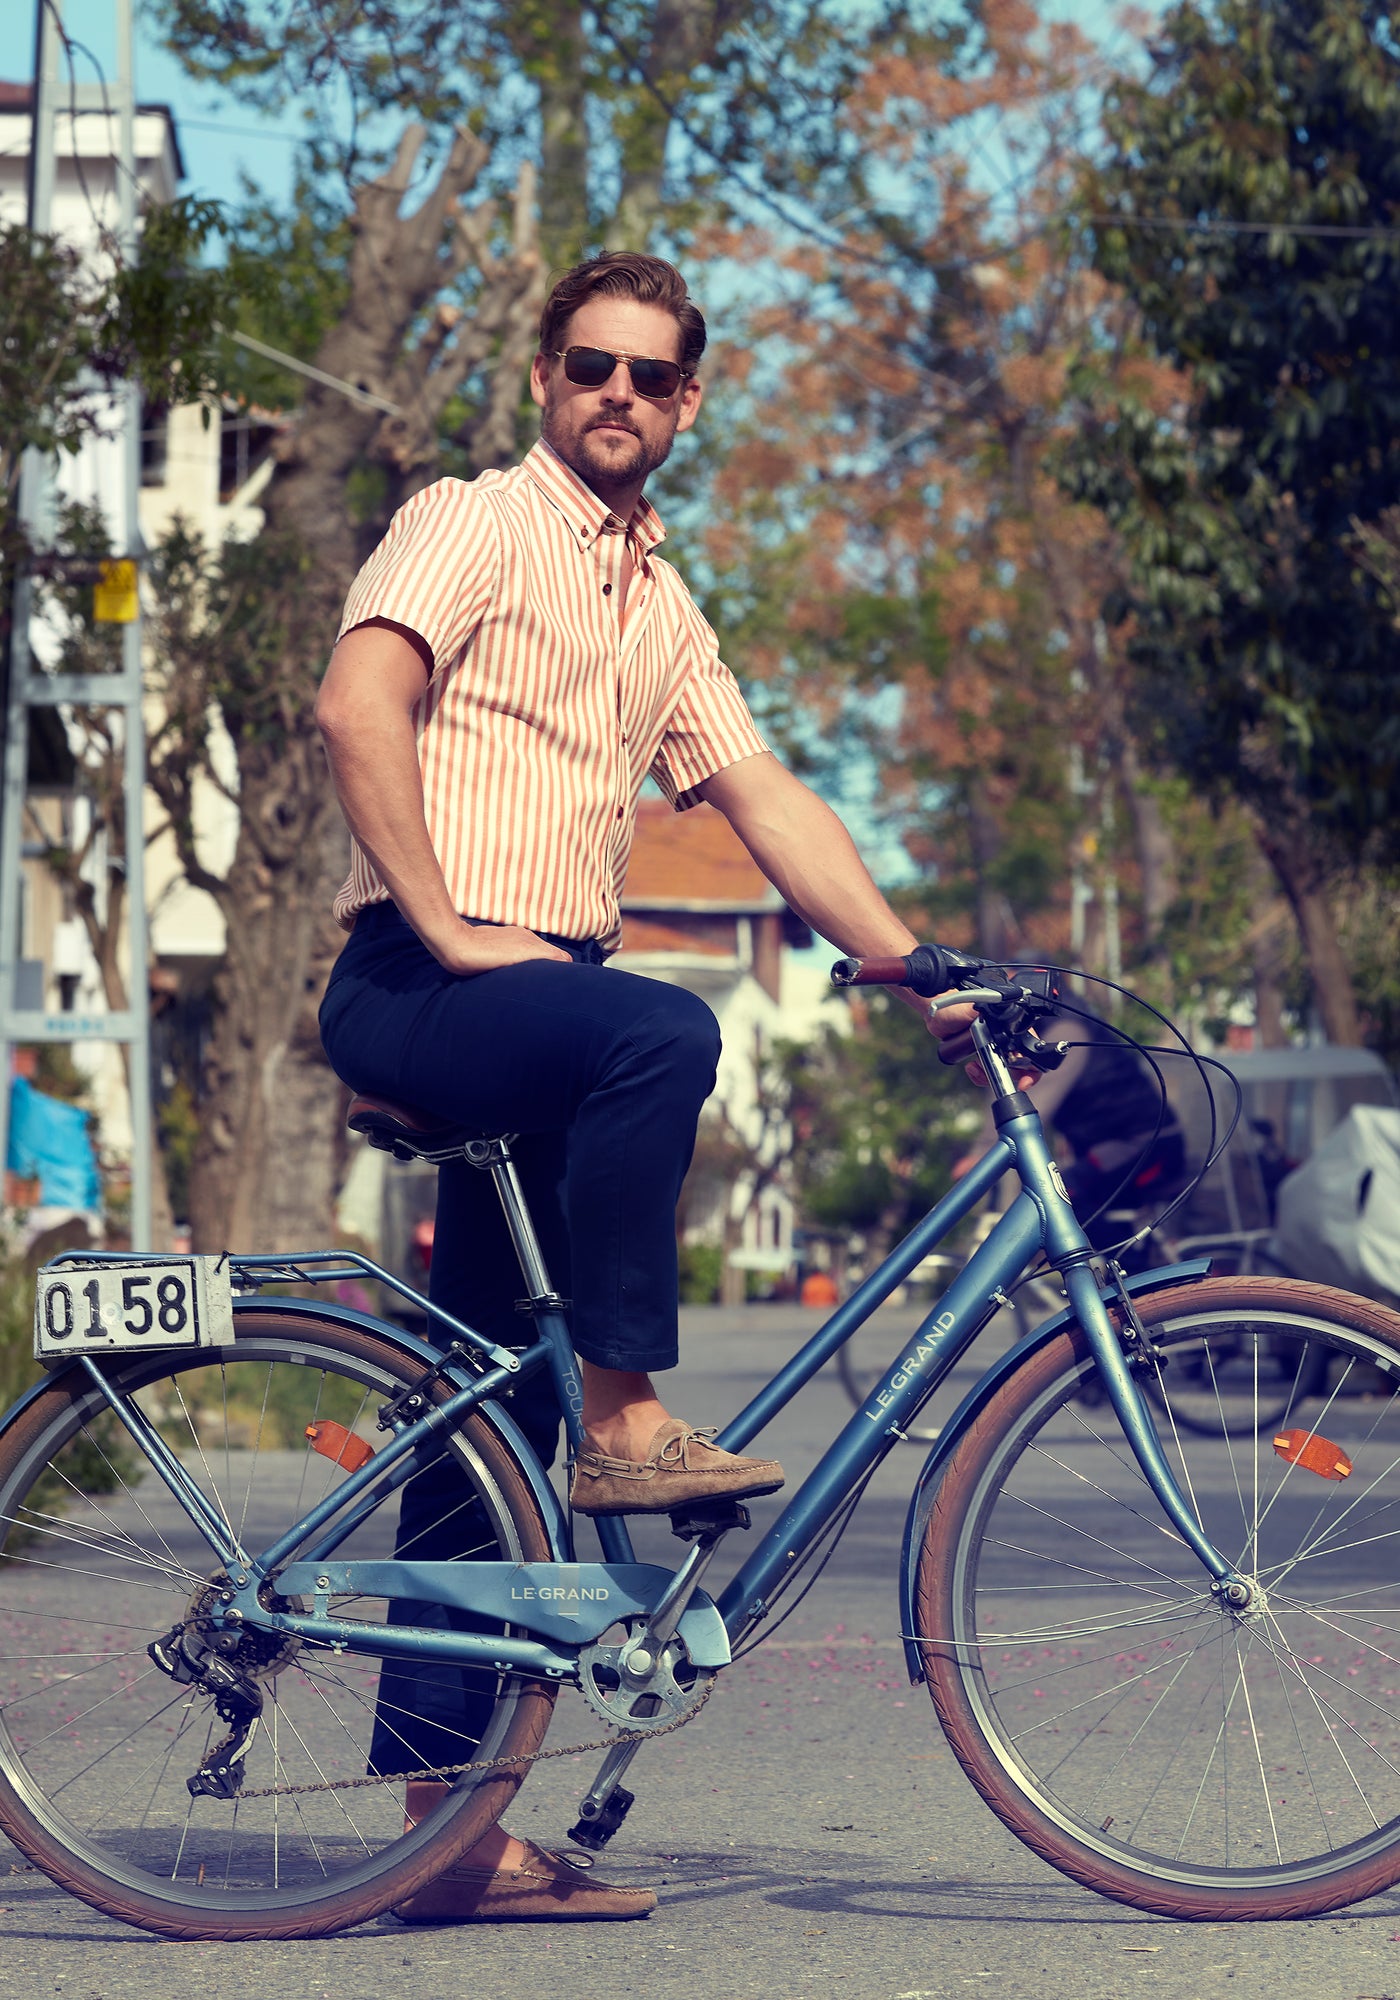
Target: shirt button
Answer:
pixel 607 590
pixel 619 812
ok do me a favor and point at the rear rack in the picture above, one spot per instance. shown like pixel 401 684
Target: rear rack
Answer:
pixel 256 1271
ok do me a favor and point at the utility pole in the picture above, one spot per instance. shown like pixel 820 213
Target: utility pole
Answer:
pixel 30 687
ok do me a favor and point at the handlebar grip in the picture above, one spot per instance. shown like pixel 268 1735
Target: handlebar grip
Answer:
pixel 870 972
pixel 930 969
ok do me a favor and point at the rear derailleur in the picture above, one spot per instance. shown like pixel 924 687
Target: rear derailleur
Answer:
pixel 191 1653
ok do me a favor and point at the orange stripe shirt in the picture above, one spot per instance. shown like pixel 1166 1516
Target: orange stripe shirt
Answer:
pixel 546 710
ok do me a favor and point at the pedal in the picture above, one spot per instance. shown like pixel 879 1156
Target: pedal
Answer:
pixel 595 1833
pixel 709 1519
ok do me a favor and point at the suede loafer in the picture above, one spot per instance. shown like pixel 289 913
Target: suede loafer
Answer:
pixel 681 1466
pixel 545 1889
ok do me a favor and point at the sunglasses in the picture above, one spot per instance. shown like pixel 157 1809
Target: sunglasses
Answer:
pixel 591 367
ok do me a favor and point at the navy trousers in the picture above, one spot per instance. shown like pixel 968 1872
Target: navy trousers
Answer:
pixel 601 1074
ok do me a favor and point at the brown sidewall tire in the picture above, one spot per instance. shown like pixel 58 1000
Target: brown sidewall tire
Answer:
pixel 934 1604
pixel 481 1807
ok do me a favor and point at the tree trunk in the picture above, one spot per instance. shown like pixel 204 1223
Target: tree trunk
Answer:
pixel 250 1110
pixel 1305 882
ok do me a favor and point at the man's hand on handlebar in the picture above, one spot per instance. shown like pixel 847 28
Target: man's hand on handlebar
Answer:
pixel 930 978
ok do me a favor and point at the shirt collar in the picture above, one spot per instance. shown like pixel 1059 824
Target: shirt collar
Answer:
pixel 580 505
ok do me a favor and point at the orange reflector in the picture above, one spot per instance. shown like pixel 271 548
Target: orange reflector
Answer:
pixel 1313 1453
pixel 333 1441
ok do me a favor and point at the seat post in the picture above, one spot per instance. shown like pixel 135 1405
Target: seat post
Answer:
pixel 494 1154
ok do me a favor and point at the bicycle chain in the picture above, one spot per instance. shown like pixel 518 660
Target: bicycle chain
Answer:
pixel 443 1771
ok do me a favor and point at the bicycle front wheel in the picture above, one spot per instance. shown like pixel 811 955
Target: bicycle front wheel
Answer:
pixel 97 1743
pixel 1150 1743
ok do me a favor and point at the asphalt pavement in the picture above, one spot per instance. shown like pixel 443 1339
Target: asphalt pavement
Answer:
pixel 810 1835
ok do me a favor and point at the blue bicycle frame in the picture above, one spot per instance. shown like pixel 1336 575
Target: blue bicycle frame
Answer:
pixel 557 1607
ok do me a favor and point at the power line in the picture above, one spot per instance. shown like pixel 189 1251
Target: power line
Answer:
pixel 349 389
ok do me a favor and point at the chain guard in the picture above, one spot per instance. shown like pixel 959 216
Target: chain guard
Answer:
pixel 669 1693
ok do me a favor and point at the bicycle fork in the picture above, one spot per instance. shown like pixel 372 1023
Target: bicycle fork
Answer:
pixel 1082 1290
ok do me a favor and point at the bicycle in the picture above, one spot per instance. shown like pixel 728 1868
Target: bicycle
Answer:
pixel 1164 1660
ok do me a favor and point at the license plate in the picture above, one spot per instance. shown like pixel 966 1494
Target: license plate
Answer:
pixel 140 1302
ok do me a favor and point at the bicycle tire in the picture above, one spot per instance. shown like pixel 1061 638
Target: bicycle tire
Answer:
pixel 94 1760
pixel 1138 1736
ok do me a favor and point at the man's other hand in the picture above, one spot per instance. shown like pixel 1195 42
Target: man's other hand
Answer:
pixel 475 948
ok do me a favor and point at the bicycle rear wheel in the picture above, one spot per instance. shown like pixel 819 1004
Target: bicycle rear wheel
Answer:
pixel 96 1743
pixel 1149 1743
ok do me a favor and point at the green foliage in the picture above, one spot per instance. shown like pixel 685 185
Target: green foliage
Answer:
pixel 49 311
pixel 1266 659
pixel 876 1123
pixel 18 1368
pixel 96 1462
pixel 177 1123
pixel 713 100
pixel 702 1265
pixel 289 272
pixel 165 304
pixel 66 336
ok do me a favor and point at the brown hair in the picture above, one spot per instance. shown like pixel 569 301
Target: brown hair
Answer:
pixel 624 274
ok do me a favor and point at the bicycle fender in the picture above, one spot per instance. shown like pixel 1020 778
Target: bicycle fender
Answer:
pixel 971 1408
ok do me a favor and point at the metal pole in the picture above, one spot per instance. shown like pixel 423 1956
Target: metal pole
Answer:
pixel 32 479
pixel 134 774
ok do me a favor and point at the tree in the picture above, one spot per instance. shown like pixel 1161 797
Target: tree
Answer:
pixel 1243 207
pixel 894 551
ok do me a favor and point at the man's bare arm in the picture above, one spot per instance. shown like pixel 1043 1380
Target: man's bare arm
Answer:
pixel 807 855
pixel 365 714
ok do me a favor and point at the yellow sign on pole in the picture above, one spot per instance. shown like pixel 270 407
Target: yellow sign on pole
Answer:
pixel 115 600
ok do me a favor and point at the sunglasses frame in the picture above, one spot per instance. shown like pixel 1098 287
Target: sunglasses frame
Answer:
pixel 656 360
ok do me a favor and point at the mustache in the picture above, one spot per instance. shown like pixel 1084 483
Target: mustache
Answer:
pixel 613 424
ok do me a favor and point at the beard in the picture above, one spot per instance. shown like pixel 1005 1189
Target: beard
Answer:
pixel 604 463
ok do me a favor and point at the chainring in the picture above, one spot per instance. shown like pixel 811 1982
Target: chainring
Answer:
pixel 668 1692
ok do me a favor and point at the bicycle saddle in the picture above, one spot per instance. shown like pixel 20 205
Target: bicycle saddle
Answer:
pixel 407 1132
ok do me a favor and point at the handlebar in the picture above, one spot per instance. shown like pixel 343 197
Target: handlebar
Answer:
pixel 929 969
pixel 1009 1000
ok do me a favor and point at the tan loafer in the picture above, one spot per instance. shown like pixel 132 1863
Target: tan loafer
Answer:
pixel 545 1889
pixel 681 1465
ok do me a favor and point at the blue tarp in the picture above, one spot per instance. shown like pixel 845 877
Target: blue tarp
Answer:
pixel 49 1139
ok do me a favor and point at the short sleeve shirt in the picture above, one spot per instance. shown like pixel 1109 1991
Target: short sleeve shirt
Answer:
pixel 545 711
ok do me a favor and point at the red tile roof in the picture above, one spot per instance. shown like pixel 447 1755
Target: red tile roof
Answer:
pixel 693 860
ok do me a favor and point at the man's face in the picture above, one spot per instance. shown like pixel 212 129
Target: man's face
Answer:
pixel 610 436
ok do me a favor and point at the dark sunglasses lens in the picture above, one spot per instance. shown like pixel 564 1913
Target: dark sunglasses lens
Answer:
pixel 655 378
pixel 589 367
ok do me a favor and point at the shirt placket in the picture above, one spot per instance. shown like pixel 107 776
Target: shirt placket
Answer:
pixel 612 544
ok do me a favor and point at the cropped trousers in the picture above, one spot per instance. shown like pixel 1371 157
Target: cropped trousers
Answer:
pixel 601 1075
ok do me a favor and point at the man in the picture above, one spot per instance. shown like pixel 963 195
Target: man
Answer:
pixel 514 660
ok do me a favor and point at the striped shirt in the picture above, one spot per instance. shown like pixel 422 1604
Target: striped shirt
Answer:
pixel 546 710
